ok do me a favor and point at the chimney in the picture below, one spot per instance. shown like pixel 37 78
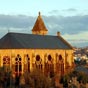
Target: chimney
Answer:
pixel 58 33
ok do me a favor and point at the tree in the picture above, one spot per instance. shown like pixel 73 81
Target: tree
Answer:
pixel 37 79
pixel 72 86
pixel 82 77
pixel 2 73
pixel 5 77
pixel 64 80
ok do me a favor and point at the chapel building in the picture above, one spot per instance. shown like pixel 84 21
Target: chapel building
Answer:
pixel 23 52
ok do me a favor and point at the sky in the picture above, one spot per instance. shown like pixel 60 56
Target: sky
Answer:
pixel 31 7
pixel 70 17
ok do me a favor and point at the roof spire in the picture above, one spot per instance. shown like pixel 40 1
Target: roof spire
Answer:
pixel 39 13
pixel 39 26
pixel 8 29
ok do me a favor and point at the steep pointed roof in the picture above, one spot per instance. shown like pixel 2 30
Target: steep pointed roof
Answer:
pixel 39 24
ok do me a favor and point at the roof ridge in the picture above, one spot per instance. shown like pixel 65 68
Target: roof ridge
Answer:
pixel 29 34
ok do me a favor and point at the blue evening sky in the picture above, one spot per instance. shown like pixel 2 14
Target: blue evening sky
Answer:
pixel 31 7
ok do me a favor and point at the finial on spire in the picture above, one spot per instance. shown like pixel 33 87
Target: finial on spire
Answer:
pixel 39 13
pixel 8 30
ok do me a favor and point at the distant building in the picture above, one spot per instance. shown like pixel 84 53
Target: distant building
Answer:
pixel 24 52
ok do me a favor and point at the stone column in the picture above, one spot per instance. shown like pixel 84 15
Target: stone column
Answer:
pixel 42 58
pixel 54 62
pixel 1 61
pixel 32 61
pixel 45 60
pixel 12 62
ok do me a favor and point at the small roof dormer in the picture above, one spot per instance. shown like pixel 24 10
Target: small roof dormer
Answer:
pixel 39 26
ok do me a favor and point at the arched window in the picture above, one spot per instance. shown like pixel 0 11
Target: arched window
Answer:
pixel 60 57
pixel 38 62
pixel 49 66
pixel 6 62
pixel 28 62
pixel 49 57
pixel 18 64
pixel 28 57
pixel 60 65
pixel 37 58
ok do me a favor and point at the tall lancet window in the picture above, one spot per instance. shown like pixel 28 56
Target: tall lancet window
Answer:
pixel 61 64
pixel 28 62
pixel 49 62
pixel 18 65
pixel 49 66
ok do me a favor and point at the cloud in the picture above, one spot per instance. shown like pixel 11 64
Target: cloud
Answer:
pixel 65 12
pixel 80 39
pixel 54 12
pixel 66 25
pixel 69 26
pixel 82 36
pixel 19 21
pixel 70 10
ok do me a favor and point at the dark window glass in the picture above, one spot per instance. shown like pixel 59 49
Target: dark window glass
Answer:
pixel 4 63
pixel 19 59
pixel 4 59
pixel 37 58
pixel 19 62
pixel 8 62
pixel 28 58
pixel 16 68
pixel 28 66
pixel 60 57
pixel 8 59
pixel 49 57
pixel 16 63
pixel 18 55
pixel 27 55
